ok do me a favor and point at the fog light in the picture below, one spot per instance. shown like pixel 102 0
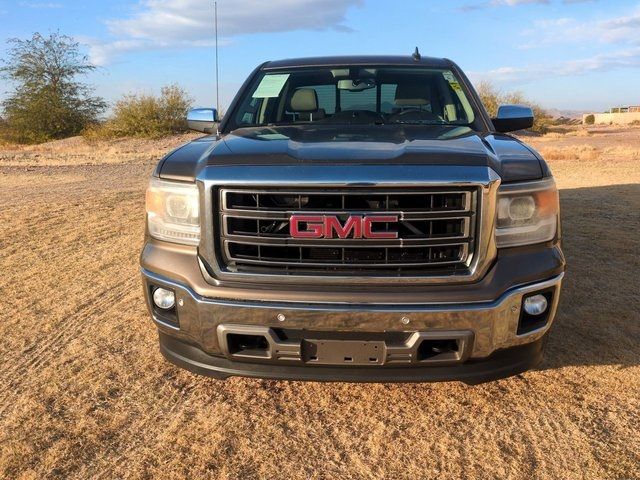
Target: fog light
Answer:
pixel 535 305
pixel 163 298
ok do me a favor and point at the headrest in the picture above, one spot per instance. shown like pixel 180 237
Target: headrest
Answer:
pixel 304 100
pixel 412 94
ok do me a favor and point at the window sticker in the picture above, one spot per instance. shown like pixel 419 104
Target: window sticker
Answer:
pixel 450 109
pixel 448 76
pixel 271 86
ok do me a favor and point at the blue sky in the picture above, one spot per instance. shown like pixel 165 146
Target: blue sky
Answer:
pixel 566 54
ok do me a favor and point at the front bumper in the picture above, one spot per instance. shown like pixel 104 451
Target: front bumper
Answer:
pixel 501 364
pixel 486 335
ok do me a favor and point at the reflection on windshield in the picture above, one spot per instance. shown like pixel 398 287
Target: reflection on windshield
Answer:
pixel 357 133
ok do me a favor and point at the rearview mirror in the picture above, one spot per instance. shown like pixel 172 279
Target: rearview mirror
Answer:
pixel 356 85
pixel 203 120
pixel 511 118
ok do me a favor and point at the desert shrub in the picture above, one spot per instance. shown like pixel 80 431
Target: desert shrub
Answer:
pixel 635 123
pixel 590 119
pixel 584 152
pixel 48 101
pixel 144 115
pixel 622 152
pixel 554 135
pixel 492 98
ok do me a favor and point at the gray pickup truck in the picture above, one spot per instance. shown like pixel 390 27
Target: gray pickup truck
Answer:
pixel 354 219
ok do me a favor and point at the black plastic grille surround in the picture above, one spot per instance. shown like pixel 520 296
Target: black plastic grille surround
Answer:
pixel 436 230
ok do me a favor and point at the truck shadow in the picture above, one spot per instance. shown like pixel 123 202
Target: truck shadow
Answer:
pixel 598 320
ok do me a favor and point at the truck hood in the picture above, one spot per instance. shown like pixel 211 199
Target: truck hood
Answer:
pixel 357 145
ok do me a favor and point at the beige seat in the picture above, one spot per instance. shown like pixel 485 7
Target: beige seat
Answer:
pixel 304 104
pixel 413 95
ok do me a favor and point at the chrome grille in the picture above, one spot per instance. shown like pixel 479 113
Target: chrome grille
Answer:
pixel 436 230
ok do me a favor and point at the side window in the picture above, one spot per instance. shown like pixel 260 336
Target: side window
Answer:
pixel 247 114
pixel 388 97
pixel 326 98
pixel 364 100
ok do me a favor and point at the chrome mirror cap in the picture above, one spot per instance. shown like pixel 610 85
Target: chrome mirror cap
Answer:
pixel 513 117
pixel 203 120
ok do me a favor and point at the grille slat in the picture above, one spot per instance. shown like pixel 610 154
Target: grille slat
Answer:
pixel 435 230
pixel 346 200
pixel 323 256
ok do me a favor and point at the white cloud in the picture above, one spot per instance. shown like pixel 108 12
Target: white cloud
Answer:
pixel 180 23
pixel 101 53
pixel 617 38
pixel 628 58
pixel 40 5
pixel 512 3
pixel 617 30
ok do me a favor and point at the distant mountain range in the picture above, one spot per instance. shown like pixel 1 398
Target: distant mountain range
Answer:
pixel 557 113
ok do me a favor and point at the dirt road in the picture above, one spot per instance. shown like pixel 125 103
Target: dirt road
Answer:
pixel 85 393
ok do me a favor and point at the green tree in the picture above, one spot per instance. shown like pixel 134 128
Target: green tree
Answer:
pixel 48 101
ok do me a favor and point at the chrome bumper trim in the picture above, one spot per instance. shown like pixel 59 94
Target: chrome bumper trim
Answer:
pixel 493 323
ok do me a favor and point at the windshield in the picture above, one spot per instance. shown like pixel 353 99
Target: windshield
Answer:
pixel 355 95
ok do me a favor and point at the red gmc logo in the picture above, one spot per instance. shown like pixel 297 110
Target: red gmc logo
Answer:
pixel 329 226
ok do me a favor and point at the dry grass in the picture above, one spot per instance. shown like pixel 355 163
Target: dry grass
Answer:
pixel 76 151
pixel 85 392
pixel 607 144
pixel 583 152
pixel 568 131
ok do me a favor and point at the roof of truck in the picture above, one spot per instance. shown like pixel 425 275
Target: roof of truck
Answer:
pixel 364 60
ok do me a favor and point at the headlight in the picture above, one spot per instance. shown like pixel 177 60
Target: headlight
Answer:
pixel 173 211
pixel 527 213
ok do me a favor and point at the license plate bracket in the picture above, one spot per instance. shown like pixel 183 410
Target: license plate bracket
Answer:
pixel 343 352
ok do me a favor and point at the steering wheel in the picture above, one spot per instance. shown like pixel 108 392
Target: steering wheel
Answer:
pixel 355 116
pixel 415 114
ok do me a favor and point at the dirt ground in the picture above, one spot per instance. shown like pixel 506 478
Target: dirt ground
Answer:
pixel 84 392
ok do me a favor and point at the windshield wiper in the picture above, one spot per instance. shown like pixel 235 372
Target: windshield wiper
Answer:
pixel 418 122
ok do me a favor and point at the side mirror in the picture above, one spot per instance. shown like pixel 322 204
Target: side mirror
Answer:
pixel 511 118
pixel 203 120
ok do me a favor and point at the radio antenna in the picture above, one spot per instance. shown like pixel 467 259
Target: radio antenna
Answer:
pixel 215 13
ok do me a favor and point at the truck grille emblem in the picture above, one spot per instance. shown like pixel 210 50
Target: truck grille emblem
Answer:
pixel 330 226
